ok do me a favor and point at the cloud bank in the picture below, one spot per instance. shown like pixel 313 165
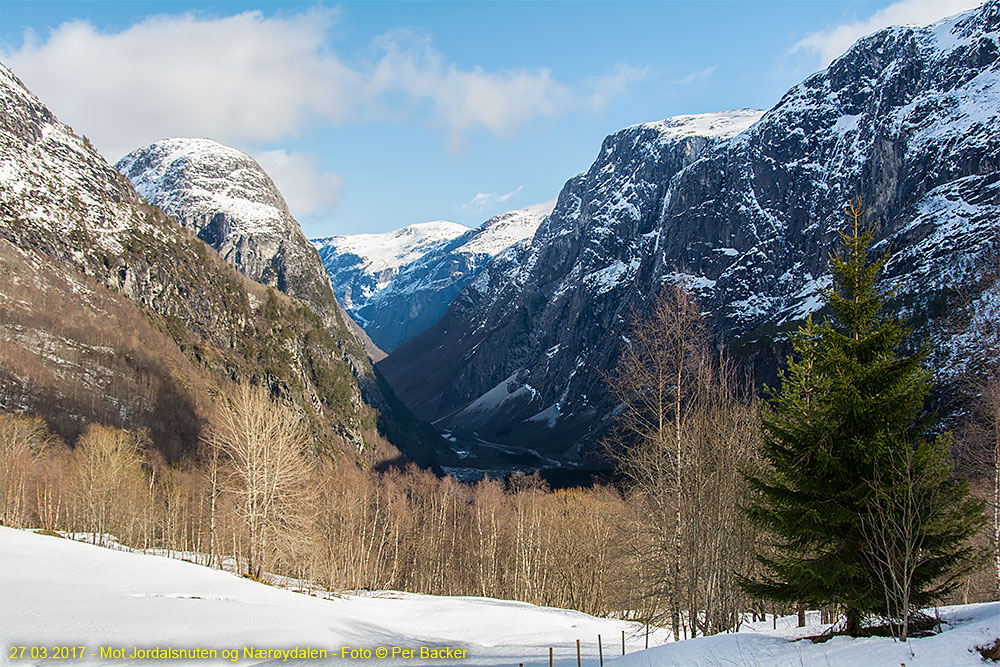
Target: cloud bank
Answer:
pixel 250 80
pixel 829 44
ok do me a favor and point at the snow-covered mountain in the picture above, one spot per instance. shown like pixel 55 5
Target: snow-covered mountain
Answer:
pixel 399 283
pixel 228 201
pixel 112 312
pixel 743 207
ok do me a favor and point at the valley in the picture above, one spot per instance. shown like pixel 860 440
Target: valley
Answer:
pixel 314 377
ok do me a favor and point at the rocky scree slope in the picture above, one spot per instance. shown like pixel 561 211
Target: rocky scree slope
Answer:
pixel 112 311
pixel 398 284
pixel 744 213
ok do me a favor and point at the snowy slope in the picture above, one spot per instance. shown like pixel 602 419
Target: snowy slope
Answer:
pixel 757 645
pixel 717 125
pixel 201 178
pixel 59 592
pixel 56 592
pixel 381 253
pixel 230 202
pixel 53 181
pixel 398 283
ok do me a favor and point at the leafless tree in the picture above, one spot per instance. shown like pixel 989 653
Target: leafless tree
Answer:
pixel 686 425
pixel 265 444
pixel 22 440
pixel 108 481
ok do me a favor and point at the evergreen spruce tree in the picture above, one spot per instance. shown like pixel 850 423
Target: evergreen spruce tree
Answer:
pixel 848 460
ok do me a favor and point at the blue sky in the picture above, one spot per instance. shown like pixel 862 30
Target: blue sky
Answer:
pixel 371 116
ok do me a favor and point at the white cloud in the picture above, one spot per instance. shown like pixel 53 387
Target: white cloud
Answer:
pixel 463 100
pixel 831 43
pixel 237 79
pixel 250 79
pixel 695 76
pixel 483 200
pixel 604 88
pixel 307 189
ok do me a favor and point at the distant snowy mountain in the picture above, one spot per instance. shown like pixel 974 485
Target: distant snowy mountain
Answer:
pixel 743 207
pixel 399 283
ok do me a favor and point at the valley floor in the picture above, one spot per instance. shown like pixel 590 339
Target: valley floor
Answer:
pixel 58 592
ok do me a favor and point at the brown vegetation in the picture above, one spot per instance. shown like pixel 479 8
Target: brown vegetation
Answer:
pixel 261 498
pixel 687 427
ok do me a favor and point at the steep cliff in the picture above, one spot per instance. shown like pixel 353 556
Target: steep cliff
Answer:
pixel 744 211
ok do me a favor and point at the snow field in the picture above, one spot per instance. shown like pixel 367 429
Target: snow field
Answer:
pixel 58 592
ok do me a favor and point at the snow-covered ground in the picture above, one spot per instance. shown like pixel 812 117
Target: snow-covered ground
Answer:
pixel 759 645
pixel 57 592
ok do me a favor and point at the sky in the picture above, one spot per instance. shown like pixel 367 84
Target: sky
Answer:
pixel 374 115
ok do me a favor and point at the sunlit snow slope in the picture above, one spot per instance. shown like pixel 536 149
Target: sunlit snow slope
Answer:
pixel 57 592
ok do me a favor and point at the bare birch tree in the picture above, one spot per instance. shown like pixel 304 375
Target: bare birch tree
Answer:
pixel 265 444
pixel 22 441
pixel 654 385
pixel 108 481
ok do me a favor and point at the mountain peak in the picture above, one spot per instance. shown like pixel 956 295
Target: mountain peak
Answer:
pixel 196 177
pixel 388 251
pixel 718 125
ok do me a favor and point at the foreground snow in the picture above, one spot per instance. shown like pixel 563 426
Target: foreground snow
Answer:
pixel 57 592
pixel 759 645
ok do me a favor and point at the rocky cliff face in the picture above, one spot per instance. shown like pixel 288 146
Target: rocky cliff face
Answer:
pixel 397 284
pixel 111 311
pixel 743 211
pixel 228 201
pixel 224 197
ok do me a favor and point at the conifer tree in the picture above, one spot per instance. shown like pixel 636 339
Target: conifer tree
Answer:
pixel 843 440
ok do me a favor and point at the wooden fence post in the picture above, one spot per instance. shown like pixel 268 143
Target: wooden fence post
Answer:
pixel 600 650
pixel 623 642
pixel 550 656
pixel 578 653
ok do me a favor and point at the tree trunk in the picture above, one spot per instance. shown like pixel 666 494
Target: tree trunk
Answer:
pixel 853 628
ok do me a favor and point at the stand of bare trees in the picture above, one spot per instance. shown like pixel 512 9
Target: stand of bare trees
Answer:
pixel 259 502
pixel 687 425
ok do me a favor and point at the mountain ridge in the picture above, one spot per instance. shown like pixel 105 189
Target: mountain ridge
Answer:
pixel 902 119
pixel 397 284
pixel 147 312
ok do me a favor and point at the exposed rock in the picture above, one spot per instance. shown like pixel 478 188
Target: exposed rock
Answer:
pixel 745 213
